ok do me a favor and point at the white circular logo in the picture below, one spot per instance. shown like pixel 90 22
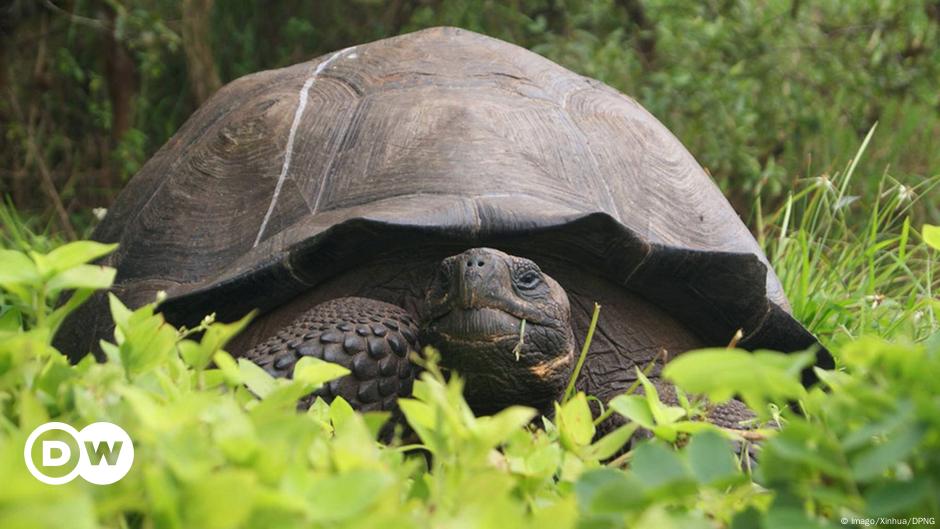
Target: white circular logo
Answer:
pixel 105 453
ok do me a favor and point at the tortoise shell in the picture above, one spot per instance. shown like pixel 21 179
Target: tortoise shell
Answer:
pixel 441 138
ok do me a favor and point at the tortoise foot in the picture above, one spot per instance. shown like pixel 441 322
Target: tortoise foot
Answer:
pixel 370 338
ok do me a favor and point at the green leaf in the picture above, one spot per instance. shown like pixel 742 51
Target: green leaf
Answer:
pixel 759 377
pixel 662 413
pixel 17 269
pixel 144 338
pixel 607 491
pixel 711 459
pixel 897 497
pixel 192 354
pixel 74 301
pixel 256 379
pixel 575 421
pixel 931 236
pixel 660 469
pixel 872 462
pixel 421 418
pixel 611 443
pixel 634 407
pixel 120 314
pixel 495 429
pixel 800 444
pixel 229 367
pixel 76 253
pixel 790 517
pixel 341 497
pixel 749 518
pixel 82 276
pixel 11 321
pixel 314 372
pixel 221 499
pixel 340 412
pixel 214 339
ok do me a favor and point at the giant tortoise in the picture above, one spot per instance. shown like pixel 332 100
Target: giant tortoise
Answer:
pixel 440 188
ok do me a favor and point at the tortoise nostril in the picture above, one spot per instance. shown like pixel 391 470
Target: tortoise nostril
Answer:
pixel 480 263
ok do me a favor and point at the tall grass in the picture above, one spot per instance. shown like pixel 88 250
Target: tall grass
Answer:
pixel 854 265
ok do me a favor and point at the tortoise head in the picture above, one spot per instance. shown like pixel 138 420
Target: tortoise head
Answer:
pixel 504 325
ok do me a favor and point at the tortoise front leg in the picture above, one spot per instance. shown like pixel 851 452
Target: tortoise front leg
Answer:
pixel 369 337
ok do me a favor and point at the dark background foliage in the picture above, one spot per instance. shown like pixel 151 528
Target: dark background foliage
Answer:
pixel 763 92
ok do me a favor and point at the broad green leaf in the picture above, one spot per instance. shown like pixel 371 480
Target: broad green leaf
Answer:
pixel 232 431
pixel 419 415
pixel 662 414
pixel 340 411
pixel 111 352
pixel 749 518
pixel 145 341
pixel 256 379
pixel 711 459
pixel 694 427
pixel 634 407
pixel 11 321
pixel 341 497
pixel 82 276
pixel 870 463
pixel 375 421
pixel 790 517
pixel 283 397
pixel 902 416
pixel 575 421
pixel 17 268
pixel 607 491
pixel 76 253
pixel 221 499
pixel 931 236
pixel 192 354
pixel 660 469
pixel 314 372
pixel 54 375
pixel 495 429
pixel 320 410
pixel 758 377
pixel 611 443
pixel 800 444
pixel 229 367
pixel 214 339
pixel 163 494
pixel 896 497
pixel 562 514
pixel 74 301
pixel 120 314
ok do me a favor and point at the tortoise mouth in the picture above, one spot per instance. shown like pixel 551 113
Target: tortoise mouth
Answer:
pixel 476 325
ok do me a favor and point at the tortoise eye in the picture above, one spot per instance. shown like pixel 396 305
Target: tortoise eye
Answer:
pixel 529 280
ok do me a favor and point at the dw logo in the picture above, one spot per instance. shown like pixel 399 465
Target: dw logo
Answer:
pixel 101 453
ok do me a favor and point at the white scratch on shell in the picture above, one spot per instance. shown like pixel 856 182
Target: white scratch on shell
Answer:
pixel 289 150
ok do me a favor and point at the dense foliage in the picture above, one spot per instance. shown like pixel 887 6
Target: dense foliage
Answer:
pixel 762 92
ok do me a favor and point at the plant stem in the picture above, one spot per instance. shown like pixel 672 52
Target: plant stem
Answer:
pixel 569 391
